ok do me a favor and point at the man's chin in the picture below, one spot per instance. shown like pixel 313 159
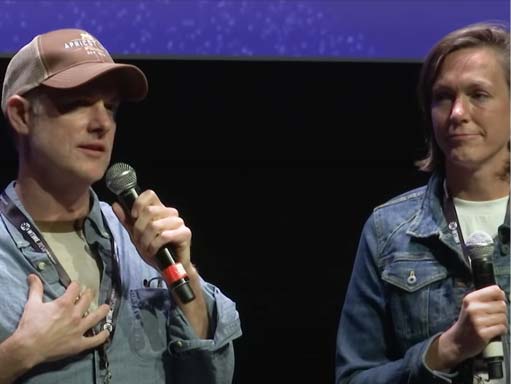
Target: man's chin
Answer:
pixel 87 177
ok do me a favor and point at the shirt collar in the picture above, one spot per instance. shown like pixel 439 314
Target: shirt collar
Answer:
pixel 95 217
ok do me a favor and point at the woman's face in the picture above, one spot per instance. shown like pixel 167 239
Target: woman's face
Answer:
pixel 470 110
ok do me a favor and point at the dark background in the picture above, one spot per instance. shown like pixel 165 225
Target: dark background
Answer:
pixel 275 166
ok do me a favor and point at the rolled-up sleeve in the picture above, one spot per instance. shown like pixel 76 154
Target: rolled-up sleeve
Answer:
pixel 196 360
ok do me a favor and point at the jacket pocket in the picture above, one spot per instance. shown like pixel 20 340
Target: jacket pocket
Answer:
pixel 420 297
pixel 413 273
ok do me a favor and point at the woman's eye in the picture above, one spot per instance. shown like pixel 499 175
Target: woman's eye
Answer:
pixel 480 95
pixel 441 97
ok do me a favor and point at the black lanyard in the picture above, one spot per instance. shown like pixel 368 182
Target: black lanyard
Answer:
pixel 31 234
pixel 454 225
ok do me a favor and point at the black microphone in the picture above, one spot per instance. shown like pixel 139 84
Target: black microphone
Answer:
pixel 121 179
pixel 480 248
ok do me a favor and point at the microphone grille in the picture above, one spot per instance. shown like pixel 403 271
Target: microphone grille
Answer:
pixel 479 245
pixel 120 177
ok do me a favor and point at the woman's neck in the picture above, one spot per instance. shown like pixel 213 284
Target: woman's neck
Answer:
pixel 476 185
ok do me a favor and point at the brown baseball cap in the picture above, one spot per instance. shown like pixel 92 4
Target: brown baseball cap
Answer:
pixel 68 58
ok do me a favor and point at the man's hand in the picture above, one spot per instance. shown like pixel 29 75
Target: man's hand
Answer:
pixel 152 225
pixel 482 317
pixel 50 331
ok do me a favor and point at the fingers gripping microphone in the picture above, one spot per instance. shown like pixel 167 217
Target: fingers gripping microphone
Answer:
pixel 480 250
pixel 121 179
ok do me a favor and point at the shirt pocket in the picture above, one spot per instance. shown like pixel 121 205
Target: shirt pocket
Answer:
pixel 419 300
pixel 44 267
pixel 148 333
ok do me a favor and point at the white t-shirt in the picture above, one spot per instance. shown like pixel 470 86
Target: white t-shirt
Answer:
pixel 484 216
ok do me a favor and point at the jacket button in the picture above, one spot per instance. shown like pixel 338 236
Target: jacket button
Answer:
pixel 411 278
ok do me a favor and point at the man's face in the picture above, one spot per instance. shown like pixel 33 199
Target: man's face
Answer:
pixel 71 133
pixel 470 110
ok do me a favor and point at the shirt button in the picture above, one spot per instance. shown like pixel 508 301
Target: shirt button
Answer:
pixel 179 344
pixel 41 266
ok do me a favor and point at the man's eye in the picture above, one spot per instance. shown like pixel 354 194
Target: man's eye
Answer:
pixel 71 105
pixel 112 106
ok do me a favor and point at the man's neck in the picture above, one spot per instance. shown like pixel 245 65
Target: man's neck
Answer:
pixel 477 185
pixel 47 203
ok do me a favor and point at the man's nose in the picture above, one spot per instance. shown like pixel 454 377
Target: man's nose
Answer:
pixel 102 117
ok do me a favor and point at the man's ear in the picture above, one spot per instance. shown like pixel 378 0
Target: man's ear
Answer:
pixel 18 113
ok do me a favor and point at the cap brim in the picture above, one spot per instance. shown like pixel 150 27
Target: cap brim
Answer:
pixel 131 81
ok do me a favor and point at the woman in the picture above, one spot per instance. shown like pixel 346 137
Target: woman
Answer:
pixel 411 313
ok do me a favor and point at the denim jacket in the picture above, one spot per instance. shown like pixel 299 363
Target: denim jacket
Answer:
pixel 407 286
pixel 152 341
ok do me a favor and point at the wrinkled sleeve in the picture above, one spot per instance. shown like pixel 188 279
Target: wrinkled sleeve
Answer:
pixel 364 352
pixel 207 361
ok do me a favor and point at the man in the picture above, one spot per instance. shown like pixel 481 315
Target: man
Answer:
pixel 94 313
pixel 412 313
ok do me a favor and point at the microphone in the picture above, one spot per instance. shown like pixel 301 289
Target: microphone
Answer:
pixel 121 180
pixel 480 250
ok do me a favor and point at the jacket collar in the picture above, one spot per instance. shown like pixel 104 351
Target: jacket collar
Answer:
pixel 430 218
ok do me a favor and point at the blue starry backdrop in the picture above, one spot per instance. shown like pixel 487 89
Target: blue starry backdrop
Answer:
pixel 339 29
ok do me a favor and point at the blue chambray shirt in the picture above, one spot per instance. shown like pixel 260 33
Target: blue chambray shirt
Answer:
pixel 152 341
pixel 407 286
